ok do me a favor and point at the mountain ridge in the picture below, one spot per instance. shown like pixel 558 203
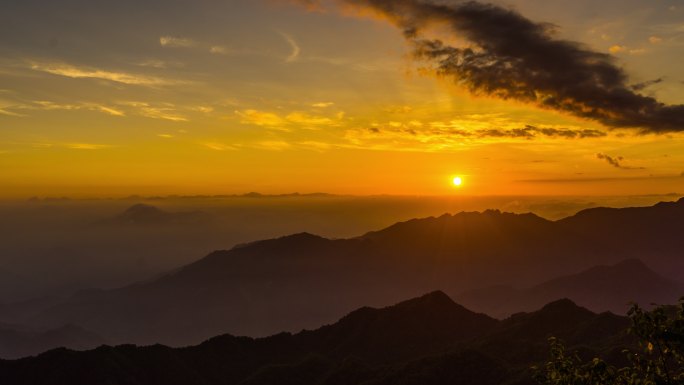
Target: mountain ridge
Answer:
pixel 600 288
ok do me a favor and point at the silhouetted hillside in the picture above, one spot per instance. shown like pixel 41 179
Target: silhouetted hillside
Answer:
pixel 17 312
pixel 599 288
pixel 427 340
pixel 17 342
pixel 143 214
pixel 425 324
pixel 487 246
pixel 653 234
pixel 10 283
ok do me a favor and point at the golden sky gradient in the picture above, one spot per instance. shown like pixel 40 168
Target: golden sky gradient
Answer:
pixel 219 97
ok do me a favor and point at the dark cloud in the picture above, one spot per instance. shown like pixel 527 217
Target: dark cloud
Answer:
pixel 512 57
pixel 526 132
pixel 646 84
pixel 613 161
pixel 601 179
pixel 531 132
pixel 312 5
pixel 616 161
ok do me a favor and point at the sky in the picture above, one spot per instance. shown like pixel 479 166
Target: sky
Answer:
pixel 517 97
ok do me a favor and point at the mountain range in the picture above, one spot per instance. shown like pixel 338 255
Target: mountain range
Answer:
pixel 143 214
pixel 600 288
pixel 425 340
pixel 17 341
pixel 303 280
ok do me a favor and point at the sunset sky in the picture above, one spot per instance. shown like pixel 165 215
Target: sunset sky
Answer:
pixel 111 98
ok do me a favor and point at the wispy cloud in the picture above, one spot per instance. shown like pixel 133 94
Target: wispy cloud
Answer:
pixel 218 146
pixel 294 119
pixel 315 145
pixel 311 5
pixel 159 64
pixel 164 111
pixel 45 105
pixel 307 120
pixel 296 50
pixel 274 145
pixel 108 110
pixel 323 104
pixel 616 161
pixel 86 146
pixel 176 42
pixel 70 145
pixel 439 136
pixel 6 112
pixel 218 50
pixel 74 72
pixel 182 42
pixel 655 39
pixel 261 118
pixel 614 49
pixel 202 109
pixel 581 179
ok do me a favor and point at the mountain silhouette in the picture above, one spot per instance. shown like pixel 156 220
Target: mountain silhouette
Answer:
pixel 303 280
pixel 426 340
pixel 653 234
pixel 16 341
pixel 143 214
pixel 425 324
pixel 599 288
pixel 17 312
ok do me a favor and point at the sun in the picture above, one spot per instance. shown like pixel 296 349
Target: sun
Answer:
pixel 458 181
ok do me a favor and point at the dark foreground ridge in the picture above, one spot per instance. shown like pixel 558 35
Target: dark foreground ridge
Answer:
pixel 426 340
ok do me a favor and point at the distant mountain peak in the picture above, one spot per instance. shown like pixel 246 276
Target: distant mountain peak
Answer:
pixel 492 212
pixel 435 298
pixel 559 312
pixel 144 214
pixel 624 214
pixel 294 241
pixel 436 302
pixel 605 287
pixel 633 268
pixel 632 263
pixel 142 207
pixel 301 236
pixel 460 221
pixel 561 305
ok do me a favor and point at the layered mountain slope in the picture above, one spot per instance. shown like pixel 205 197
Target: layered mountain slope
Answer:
pixel 599 288
pixel 142 215
pixel 653 234
pixel 16 342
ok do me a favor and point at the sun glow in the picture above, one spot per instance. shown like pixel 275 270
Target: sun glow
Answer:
pixel 458 181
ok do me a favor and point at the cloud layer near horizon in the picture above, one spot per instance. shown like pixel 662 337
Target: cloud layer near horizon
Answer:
pixel 511 57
